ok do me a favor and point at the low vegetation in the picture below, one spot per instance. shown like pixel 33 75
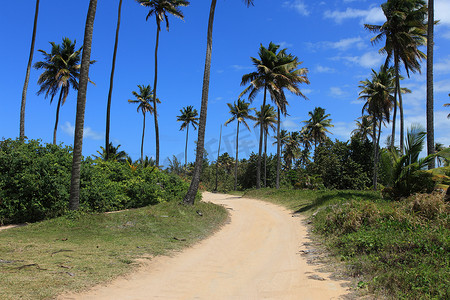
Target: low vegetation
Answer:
pixel 397 249
pixel 78 250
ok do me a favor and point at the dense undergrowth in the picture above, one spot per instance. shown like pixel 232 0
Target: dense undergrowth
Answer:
pixel 395 249
pixel 35 183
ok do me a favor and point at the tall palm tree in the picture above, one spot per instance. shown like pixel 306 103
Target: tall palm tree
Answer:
pixel 430 96
pixel 160 9
pixel 111 80
pixel 269 118
pixel 274 72
pixel 364 128
pixel 317 126
pixel 240 112
pixel 404 31
pixel 27 75
pixel 193 188
pixel 188 116
pixel 74 198
pixel 447 104
pixel 379 95
pixel 61 72
pixel 143 99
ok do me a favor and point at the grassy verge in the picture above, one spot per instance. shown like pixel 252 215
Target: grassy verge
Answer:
pixel 398 250
pixel 42 260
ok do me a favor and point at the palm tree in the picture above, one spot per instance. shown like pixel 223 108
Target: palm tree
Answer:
pixel 404 31
pixel 61 72
pixel 193 188
pixel 108 105
pixel 364 128
pixel 316 128
pixel 240 112
pixel 379 95
pixel 274 72
pixel 114 154
pixel 447 104
pixel 160 9
pixel 188 116
pixel 268 117
pixel 430 96
pixel 27 76
pixel 143 99
pixel 292 149
pixel 74 198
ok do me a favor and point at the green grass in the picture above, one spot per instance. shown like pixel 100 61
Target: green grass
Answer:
pixel 71 253
pixel 397 250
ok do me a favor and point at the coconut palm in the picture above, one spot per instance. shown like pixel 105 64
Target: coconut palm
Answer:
pixel 447 105
pixel 364 128
pixel 61 72
pixel 111 80
pixel 160 9
pixel 430 96
pixel 268 117
pixel 316 128
pixel 404 31
pixel 74 198
pixel 193 188
pixel 188 116
pixel 240 112
pixel 27 75
pixel 114 154
pixel 378 91
pixel 292 148
pixel 143 99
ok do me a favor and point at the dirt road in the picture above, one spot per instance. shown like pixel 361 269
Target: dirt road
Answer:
pixel 255 256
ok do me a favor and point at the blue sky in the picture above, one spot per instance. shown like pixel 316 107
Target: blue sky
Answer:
pixel 328 36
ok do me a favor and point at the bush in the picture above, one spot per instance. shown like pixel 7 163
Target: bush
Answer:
pixel 35 183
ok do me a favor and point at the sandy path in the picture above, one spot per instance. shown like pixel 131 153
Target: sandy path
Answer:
pixel 256 256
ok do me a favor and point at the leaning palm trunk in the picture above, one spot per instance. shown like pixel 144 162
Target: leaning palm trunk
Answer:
pixel 27 76
pixel 394 117
pixel 57 117
pixel 108 106
pixel 376 146
pixel 265 157
pixel 74 199
pixel 278 149
pixel 237 151
pixel 430 96
pixel 190 196
pixel 155 114
pixel 261 133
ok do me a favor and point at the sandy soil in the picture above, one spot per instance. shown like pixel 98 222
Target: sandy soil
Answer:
pixel 255 256
pixel 11 226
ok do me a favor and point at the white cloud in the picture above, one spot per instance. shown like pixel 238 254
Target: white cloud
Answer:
pixel 342 130
pixel 442 9
pixel 284 45
pixel 348 43
pixel 290 124
pixel 372 15
pixel 88 133
pixel 370 59
pixel 298 5
pixel 240 67
pixel 307 91
pixel 337 91
pixel 322 69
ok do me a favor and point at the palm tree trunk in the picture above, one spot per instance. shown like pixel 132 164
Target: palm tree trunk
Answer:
pixel 108 106
pixel 376 146
pixel 265 158
pixel 190 196
pixel 218 155
pixel 142 142
pixel 278 149
pixel 27 76
pixel 57 116
pixel 155 113
pixel 430 96
pixel 258 164
pixel 237 152
pixel 185 150
pixel 394 119
pixel 74 199
pixel 400 102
